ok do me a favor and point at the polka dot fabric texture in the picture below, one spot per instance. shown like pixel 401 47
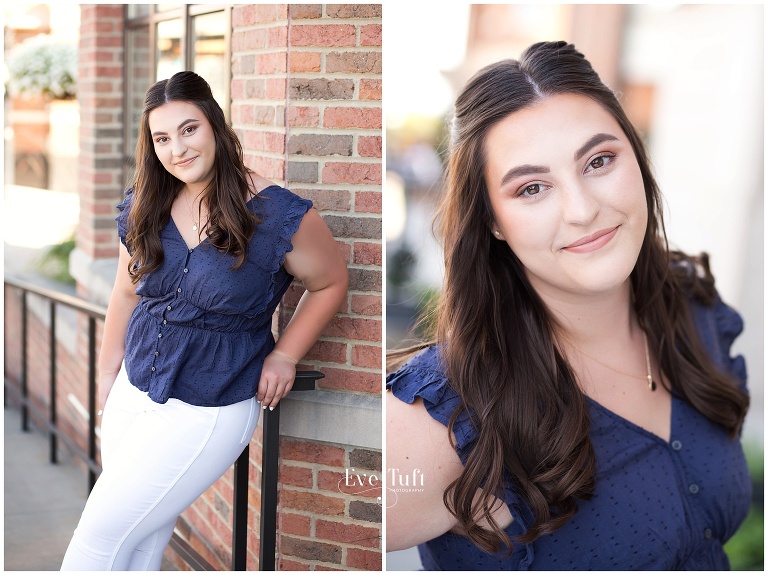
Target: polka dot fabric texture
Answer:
pixel 658 505
pixel 201 330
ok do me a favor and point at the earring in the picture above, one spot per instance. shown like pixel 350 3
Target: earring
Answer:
pixel 496 232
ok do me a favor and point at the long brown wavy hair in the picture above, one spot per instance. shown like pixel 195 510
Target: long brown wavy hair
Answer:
pixel 499 342
pixel 230 223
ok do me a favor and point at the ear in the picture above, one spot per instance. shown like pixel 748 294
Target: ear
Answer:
pixel 496 232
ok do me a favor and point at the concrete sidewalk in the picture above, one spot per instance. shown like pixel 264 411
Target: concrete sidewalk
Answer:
pixel 43 502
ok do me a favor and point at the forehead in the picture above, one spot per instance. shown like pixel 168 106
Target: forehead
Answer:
pixel 170 115
pixel 555 126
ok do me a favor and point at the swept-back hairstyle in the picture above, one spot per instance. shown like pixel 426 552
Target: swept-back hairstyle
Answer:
pixel 499 342
pixel 230 224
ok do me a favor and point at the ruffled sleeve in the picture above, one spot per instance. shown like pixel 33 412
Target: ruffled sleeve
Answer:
pixel 122 217
pixel 281 211
pixel 718 326
pixel 422 376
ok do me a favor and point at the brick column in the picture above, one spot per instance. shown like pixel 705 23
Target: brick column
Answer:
pixel 329 508
pixel 100 175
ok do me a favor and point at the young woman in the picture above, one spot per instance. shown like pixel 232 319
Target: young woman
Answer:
pixel 208 249
pixel 579 408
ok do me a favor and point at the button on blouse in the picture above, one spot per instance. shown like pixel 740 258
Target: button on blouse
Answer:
pixel 656 505
pixel 201 330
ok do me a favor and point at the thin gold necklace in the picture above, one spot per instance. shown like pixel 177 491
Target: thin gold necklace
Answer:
pixel 648 377
pixel 195 223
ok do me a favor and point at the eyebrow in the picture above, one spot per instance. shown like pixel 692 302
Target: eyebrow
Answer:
pixel 528 169
pixel 591 143
pixel 524 170
pixel 184 123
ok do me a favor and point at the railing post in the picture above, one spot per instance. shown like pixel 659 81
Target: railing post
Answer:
pixel 270 451
pixel 24 391
pixel 91 399
pixel 269 464
pixel 240 512
pixel 52 407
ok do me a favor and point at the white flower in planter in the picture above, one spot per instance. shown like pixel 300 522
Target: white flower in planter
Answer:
pixel 43 65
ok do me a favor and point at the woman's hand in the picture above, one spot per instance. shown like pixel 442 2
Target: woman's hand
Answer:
pixel 277 377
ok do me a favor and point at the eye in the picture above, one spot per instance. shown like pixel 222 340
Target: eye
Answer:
pixel 599 162
pixel 531 190
pixel 189 130
pixel 161 140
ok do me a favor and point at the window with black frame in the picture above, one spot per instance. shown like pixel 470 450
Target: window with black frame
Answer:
pixel 162 39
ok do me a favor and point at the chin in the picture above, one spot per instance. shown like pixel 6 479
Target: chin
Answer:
pixel 605 277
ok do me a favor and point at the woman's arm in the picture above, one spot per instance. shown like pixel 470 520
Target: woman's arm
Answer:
pixel 315 260
pixel 419 453
pixel 121 305
pixel 422 463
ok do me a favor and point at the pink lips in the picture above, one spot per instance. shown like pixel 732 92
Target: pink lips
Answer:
pixel 592 242
pixel 185 162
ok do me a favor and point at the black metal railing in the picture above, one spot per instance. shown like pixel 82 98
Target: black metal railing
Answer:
pixel 305 380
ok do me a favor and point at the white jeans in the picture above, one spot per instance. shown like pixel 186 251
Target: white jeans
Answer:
pixel 157 459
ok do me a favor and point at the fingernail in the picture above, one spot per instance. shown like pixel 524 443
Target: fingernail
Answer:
pixel 263 407
pixel 271 408
pixel 101 412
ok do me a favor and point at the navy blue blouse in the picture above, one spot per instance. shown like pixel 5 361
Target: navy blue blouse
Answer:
pixel 201 330
pixel 657 505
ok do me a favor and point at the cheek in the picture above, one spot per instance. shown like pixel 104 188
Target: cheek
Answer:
pixel 528 231
pixel 634 199
pixel 162 155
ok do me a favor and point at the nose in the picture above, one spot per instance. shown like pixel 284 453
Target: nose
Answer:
pixel 178 148
pixel 580 206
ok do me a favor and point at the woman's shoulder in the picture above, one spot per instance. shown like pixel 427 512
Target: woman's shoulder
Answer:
pixel 274 195
pixel 277 206
pixel 717 323
pixel 423 377
pixel 123 210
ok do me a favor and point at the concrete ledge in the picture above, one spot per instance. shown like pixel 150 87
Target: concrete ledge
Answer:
pixel 333 417
pixel 98 275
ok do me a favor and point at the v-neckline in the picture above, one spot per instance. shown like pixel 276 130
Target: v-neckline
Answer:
pixel 181 237
pixel 638 428
pixel 201 242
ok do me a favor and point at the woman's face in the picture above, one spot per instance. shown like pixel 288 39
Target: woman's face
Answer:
pixel 567 195
pixel 184 141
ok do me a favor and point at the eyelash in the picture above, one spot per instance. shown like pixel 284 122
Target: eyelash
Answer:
pixel 525 188
pixel 610 157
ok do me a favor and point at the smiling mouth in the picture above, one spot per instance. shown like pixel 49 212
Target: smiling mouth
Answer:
pixel 185 162
pixel 592 242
